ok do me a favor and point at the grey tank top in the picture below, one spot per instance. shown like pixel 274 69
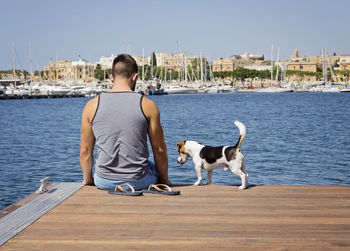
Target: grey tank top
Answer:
pixel 120 128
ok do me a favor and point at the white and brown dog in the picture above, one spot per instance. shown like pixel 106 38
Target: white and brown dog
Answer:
pixel 209 158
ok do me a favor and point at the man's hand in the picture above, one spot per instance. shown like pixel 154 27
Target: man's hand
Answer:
pixel 89 182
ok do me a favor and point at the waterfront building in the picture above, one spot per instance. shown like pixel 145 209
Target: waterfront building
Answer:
pixel 344 62
pixel 223 64
pixel 303 66
pixel 106 62
pixel 139 60
pixel 75 71
pixel 299 63
pixel 245 60
pixel 177 61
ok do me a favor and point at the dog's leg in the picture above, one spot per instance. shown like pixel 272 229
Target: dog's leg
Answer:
pixel 199 174
pixel 242 175
pixel 243 170
pixel 210 174
pixel 244 179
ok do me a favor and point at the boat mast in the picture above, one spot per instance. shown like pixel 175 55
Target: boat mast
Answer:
pixel 56 67
pixel 278 58
pixel 143 64
pixel 324 68
pixel 152 65
pixel 185 69
pixel 31 63
pixel 271 64
pixel 200 54
pixel 205 70
pixel 13 62
pixel 161 68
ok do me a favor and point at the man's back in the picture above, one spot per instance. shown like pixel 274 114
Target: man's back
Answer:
pixel 120 129
pixel 146 120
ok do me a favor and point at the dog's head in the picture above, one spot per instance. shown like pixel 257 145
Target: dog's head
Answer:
pixel 183 155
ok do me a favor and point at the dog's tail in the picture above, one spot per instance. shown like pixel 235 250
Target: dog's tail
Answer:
pixel 242 132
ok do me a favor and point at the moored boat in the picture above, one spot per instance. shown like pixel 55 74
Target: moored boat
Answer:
pixel 180 90
pixel 274 89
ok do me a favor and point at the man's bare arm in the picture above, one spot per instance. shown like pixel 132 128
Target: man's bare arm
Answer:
pixel 156 136
pixel 87 142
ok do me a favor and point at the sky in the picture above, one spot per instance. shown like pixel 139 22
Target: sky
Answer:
pixel 90 29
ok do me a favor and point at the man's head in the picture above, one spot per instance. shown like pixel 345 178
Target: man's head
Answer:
pixel 125 67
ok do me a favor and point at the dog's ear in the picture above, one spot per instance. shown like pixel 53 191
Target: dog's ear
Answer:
pixel 178 147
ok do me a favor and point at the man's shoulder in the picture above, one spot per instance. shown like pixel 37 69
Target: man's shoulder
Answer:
pixel 91 107
pixel 147 101
pixel 92 103
pixel 149 107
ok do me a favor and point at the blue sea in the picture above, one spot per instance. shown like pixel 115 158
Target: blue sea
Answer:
pixel 292 138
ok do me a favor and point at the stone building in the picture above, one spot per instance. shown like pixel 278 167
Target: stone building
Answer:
pixel 223 64
pixel 302 66
pixel 344 62
pixel 80 71
pixel 229 64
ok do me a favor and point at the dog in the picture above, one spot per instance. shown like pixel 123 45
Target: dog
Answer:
pixel 209 158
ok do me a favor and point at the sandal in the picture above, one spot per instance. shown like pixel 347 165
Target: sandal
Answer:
pixel 161 189
pixel 119 190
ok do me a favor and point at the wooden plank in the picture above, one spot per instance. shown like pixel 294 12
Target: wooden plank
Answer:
pixel 206 217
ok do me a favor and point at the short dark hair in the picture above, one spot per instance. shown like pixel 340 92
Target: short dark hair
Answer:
pixel 124 65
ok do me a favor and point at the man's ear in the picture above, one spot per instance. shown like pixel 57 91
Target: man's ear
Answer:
pixel 111 77
pixel 134 77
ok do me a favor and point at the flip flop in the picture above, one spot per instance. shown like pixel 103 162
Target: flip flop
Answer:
pixel 119 190
pixel 158 189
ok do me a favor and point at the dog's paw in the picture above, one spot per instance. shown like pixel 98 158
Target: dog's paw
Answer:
pixel 198 183
pixel 242 187
pixel 208 182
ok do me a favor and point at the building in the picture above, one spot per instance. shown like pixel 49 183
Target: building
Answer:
pixel 106 62
pixel 140 60
pixel 245 60
pixel 223 64
pixel 178 61
pixel 80 71
pixel 302 66
pixel 298 63
pixel 344 62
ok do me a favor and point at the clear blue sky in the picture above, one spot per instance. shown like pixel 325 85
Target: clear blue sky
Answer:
pixel 217 28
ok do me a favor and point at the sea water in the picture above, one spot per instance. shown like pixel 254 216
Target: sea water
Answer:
pixel 292 138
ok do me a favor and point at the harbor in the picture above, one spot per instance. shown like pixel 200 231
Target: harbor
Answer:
pixel 104 88
pixel 263 217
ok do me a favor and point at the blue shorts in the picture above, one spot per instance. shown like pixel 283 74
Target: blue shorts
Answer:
pixel 143 183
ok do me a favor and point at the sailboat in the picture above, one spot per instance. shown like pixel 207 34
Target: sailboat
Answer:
pixel 14 89
pixel 274 88
pixel 327 88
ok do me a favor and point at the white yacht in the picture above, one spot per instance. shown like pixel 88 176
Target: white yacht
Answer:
pixel 330 89
pixel 274 89
pixel 180 90
pixel 345 90
pixel 213 89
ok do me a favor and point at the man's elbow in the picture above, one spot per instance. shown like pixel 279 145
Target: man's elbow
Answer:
pixel 85 152
pixel 160 150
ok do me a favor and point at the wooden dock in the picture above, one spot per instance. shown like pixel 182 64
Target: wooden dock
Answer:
pixel 213 217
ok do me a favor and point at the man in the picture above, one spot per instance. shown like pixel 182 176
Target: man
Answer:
pixel 118 122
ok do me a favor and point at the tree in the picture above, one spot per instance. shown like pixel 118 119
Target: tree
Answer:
pixel 153 60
